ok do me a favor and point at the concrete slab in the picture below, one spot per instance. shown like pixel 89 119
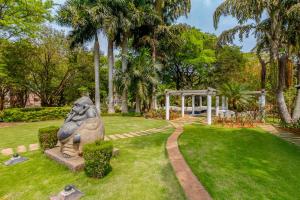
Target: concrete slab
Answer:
pixel 34 147
pixel 21 149
pixel 7 152
pixel 74 164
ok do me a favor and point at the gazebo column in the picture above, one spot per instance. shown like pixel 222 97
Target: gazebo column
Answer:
pixel 182 105
pixel 226 103
pixel 200 102
pixel 223 103
pixel 193 104
pixel 209 109
pixel 262 103
pixel 217 105
pixel 167 106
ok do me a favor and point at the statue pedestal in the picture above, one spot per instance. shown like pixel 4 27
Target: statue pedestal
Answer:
pixel 73 163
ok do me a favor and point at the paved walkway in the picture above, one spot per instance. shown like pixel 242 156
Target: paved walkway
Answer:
pixel 34 147
pixel 189 182
pixel 290 137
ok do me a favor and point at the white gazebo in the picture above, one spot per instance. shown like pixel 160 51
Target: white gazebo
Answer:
pixel 209 94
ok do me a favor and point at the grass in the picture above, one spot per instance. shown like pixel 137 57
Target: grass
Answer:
pixel 26 133
pixel 141 171
pixel 242 163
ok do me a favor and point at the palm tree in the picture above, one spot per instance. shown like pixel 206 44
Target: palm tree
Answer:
pixel 110 27
pixel 139 78
pixel 76 14
pixel 126 17
pixel 158 15
pixel 271 29
pixel 237 95
pixel 143 77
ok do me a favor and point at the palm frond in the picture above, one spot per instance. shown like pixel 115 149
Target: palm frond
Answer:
pixel 228 36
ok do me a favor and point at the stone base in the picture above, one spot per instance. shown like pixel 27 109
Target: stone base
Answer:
pixel 74 164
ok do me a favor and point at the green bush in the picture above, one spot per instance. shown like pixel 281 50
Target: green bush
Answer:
pixel 291 125
pixel 34 114
pixel 129 114
pixel 161 114
pixel 97 158
pixel 48 137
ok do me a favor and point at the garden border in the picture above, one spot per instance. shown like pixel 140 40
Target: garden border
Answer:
pixel 192 187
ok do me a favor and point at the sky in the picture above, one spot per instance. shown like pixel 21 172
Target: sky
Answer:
pixel 201 17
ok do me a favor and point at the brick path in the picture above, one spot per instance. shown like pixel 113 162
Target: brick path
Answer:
pixel 20 149
pixel 189 182
pixel 290 137
pixel 33 147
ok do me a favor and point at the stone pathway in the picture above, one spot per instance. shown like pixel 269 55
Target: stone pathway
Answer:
pixel 192 187
pixel 20 149
pixel 136 133
pixel 34 147
pixel 290 137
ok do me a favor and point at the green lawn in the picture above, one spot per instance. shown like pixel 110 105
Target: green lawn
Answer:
pixel 26 133
pixel 242 163
pixel 141 171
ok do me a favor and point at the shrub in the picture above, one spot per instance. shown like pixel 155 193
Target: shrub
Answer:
pixel 161 114
pixel 34 114
pixel 129 114
pixel 291 125
pixel 48 137
pixel 97 157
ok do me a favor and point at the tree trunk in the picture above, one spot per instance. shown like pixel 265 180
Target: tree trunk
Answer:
pixel 110 54
pixel 137 104
pixel 263 72
pixel 96 63
pixel 124 46
pixel 296 113
pixel 2 99
pixel 153 103
pixel 283 110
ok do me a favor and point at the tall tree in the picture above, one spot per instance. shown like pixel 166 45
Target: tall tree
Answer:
pixel 271 21
pixel 111 27
pixel 41 67
pixel 19 18
pixel 76 13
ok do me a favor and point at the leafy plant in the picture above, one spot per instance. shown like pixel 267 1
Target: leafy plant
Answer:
pixel 97 157
pixel 236 94
pixel 34 114
pixel 48 137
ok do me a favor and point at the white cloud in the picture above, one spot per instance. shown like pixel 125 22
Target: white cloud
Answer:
pixel 207 2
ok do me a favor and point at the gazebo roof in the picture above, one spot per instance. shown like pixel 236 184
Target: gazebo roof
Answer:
pixel 210 91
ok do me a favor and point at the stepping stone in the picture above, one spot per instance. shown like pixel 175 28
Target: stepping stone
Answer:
pixel 21 149
pixel 135 134
pixel 33 147
pixel 120 136
pixel 106 138
pixel 142 133
pixel 296 138
pixel 113 137
pixel 7 152
pixel 128 135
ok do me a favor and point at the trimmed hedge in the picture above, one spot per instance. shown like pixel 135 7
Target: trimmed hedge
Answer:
pixel 48 137
pixel 34 114
pixel 97 157
pixel 161 114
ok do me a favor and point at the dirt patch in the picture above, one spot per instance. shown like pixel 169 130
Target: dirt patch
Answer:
pixel 238 125
pixel 292 130
pixel 8 124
